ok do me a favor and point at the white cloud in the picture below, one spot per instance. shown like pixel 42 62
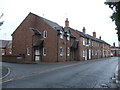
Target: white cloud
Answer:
pixel 93 14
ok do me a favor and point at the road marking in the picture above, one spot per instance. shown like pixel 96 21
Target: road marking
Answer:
pixel 6 74
pixel 41 72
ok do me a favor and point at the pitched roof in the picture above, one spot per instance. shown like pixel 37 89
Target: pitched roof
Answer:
pixel 52 24
pixel 5 43
pixel 90 37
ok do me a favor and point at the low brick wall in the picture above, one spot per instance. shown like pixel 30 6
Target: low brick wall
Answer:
pixel 17 59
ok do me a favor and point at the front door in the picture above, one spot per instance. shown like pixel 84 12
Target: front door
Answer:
pixel 37 55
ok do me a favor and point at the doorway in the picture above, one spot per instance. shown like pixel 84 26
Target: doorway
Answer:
pixel 37 55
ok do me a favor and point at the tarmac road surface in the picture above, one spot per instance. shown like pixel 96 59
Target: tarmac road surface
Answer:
pixel 83 74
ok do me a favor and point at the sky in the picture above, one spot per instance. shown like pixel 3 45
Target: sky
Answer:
pixel 94 15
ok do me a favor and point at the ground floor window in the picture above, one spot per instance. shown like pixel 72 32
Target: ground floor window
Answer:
pixel 61 51
pixel 68 51
pixel 44 51
pixel 28 51
pixel 10 51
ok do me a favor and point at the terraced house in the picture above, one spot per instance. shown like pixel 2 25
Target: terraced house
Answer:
pixel 89 47
pixel 37 39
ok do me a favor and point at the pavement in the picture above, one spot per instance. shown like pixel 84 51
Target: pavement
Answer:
pixel 77 74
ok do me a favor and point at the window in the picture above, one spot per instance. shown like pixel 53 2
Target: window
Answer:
pixel 61 36
pixel 92 52
pixel 28 51
pixel 83 41
pixel 3 51
pixel 45 34
pixel 44 51
pixel 92 43
pixel 61 51
pixel 83 53
pixel 68 51
pixel 68 37
pixel 10 51
pixel 89 42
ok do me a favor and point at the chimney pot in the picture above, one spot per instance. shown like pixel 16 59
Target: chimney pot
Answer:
pixel 84 30
pixel 100 37
pixel 94 34
pixel 66 23
pixel 114 44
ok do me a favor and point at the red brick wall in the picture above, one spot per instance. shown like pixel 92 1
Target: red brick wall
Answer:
pixel 22 37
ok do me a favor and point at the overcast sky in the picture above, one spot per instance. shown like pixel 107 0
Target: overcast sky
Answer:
pixel 92 14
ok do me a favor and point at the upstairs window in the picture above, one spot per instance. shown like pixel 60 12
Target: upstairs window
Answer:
pixel 45 34
pixel 89 42
pixel 83 41
pixel 61 34
pixel 28 51
pixel 68 37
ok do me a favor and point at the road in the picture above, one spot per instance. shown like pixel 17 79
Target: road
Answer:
pixel 82 74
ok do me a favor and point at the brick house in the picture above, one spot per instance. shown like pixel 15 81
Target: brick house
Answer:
pixel 38 39
pixel 6 47
pixel 89 47
pixel 115 51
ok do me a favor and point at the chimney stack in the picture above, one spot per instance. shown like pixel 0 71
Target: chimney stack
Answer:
pixel 114 44
pixel 84 30
pixel 100 37
pixel 66 23
pixel 94 34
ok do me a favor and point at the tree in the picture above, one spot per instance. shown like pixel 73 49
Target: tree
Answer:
pixel 1 22
pixel 115 6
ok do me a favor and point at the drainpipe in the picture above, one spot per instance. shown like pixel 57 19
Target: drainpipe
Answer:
pixel 32 48
pixel 57 47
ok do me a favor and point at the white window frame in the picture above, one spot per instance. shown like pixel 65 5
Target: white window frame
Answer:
pixel 68 38
pixel 83 41
pixel 45 34
pixel 89 42
pixel 61 51
pixel 10 50
pixel 89 53
pixel 92 52
pixel 61 35
pixel 28 52
pixel 68 51
pixel 44 51
pixel 83 53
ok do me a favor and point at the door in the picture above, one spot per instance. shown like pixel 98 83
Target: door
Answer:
pixel 37 55
pixel 85 54
pixel 89 54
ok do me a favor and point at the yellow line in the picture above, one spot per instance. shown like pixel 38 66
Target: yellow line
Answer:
pixel 35 73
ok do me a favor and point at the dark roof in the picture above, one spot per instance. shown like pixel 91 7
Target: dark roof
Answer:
pixel 36 31
pixel 90 37
pixel 52 24
pixel 38 42
pixel 67 30
pixel 5 43
pixel 80 33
